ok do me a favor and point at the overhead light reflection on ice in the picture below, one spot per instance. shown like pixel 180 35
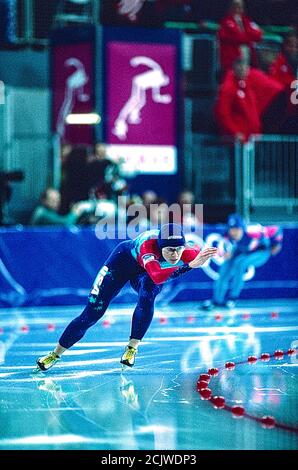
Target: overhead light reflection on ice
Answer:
pixel 56 439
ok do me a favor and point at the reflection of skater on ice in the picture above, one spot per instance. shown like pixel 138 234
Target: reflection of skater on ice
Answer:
pixel 127 390
pixel 74 89
pixel 153 79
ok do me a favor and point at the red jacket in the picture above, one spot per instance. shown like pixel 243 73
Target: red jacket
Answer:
pixel 231 37
pixel 151 260
pixel 282 71
pixel 241 103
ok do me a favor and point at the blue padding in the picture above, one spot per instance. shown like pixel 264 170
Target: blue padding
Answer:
pixel 7 21
pixel 56 266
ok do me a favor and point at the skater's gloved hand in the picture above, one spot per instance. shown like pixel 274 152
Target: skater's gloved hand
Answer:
pixel 202 257
pixel 275 250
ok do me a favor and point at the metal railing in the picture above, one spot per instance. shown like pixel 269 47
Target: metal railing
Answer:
pixel 200 62
pixel 31 19
pixel 26 145
pixel 258 179
pixel 270 177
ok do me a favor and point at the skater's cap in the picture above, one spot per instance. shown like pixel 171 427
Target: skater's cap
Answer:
pixel 235 221
pixel 171 235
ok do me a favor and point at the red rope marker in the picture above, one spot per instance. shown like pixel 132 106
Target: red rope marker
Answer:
pixel 205 393
pixel 191 319
pixel 213 371
pixel 238 411
pixel 246 316
pixel 252 359
pixel 205 377
pixel 230 365
pixel 268 422
pixel 202 384
pixel 265 357
pixel 278 354
pixel 219 402
pixel 291 352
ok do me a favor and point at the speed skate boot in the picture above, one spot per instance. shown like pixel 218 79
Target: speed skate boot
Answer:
pixel 230 304
pixel 128 357
pixel 46 362
pixel 207 305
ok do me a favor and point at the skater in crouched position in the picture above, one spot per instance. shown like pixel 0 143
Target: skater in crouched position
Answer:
pixel 148 261
pixel 243 247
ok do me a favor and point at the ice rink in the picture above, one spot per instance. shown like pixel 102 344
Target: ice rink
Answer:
pixel 87 402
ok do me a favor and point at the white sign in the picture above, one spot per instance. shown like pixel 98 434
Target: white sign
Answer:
pixel 144 159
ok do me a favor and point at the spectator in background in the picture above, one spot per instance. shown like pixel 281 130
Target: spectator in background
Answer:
pixel 266 56
pixel 159 214
pixel 284 68
pixel 244 96
pixel 47 212
pixel 177 10
pixel 65 150
pixel 285 71
pixel 100 170
pixel 149 197
pixel 242 247
pixel 74 178
pixel 104 178
pixel 154 12
pixel 130 8
pixel 237 37
pixel 186 201
pixel 136 217
pixel 156 208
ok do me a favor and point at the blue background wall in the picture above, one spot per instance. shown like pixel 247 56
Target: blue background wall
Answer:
pixel 44 266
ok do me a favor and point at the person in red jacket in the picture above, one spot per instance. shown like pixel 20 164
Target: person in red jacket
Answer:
pixel 285 71
pixel 284 68
pixel 244 96
pixel 237 37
